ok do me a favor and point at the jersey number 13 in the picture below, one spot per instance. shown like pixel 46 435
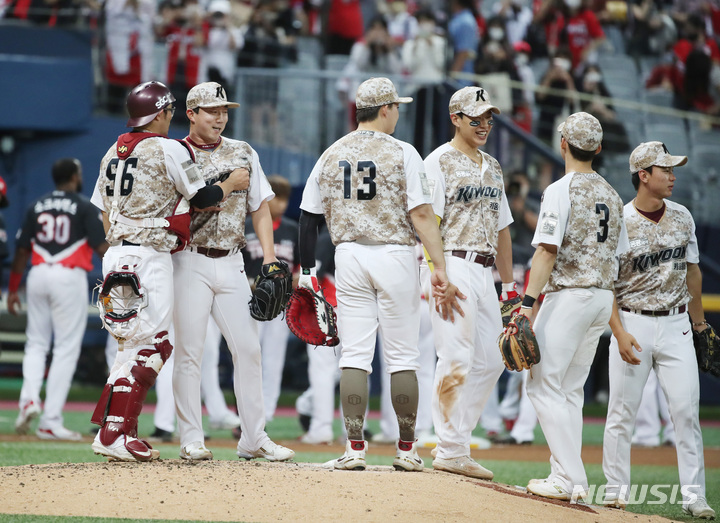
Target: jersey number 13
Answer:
pixel 364 166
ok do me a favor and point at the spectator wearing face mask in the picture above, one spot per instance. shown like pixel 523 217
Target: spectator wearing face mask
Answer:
pixel 557 76
pixel 517 16
pixel 570 23
pixel 402 26
pixel 423 57
pixel 615 139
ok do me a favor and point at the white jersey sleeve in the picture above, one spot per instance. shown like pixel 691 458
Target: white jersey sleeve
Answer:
pixel 693 252
pixel 436 181
pixel 96 198
pixel 418 190
pixel 259 190
pixel 554 213
pixel 505 218
pixel 311 198
pixel 181 169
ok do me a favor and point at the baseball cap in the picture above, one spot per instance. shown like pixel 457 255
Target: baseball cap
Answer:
pixel 582 130
pixel 376 92
pixel 219 6
pixel 208 94
pixel 471 101
pixel 648 154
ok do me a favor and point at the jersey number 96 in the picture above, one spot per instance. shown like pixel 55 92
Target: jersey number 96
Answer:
pixel 126 177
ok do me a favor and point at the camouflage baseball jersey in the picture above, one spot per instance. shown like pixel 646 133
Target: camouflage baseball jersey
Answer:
pixel 365 184
pixel 583 215
pixel 469 198
pixel 226 229
pixel 156 176
pixel 653 272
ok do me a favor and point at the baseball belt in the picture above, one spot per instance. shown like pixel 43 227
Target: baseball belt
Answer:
pixel 212 253
pixel 670 312
pixel 474 257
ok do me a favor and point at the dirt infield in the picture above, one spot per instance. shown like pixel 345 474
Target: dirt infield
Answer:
pixel 261 491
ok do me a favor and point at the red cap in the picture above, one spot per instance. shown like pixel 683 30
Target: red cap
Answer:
pixel 3 187
pixel 522 47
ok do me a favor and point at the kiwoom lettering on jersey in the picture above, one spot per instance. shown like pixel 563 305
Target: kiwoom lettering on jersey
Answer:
pixel 645 261
pixel 469 193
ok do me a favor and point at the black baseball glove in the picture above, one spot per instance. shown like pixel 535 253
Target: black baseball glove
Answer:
pixel 273 287
pixel 707 350
pixel 518 345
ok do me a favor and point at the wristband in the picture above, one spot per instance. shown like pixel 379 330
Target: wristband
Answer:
pixel 704 322
pixel 528 302
pixel 14 282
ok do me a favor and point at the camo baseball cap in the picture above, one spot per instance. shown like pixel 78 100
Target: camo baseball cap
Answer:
pixel 582 130
pixel 377 92
pixel 208 94
pixel 471 101
pixel 648 154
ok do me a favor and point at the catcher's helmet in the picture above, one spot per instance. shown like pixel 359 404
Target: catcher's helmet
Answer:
pixel 120 300
pixel 145 101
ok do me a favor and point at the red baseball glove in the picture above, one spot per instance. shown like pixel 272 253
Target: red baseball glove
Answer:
pixel 311 318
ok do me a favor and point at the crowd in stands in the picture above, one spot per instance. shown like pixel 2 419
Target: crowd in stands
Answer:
pixel 551 43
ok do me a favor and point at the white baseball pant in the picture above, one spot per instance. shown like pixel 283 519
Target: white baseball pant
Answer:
pixel 568 328
pixel 668 348
pixel 524 428
pixel 57 302
pixel 216 286
pixel 652 414
pixel 318 401
pixel 469 362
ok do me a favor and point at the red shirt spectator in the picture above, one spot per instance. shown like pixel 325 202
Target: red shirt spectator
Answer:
pixel 582 28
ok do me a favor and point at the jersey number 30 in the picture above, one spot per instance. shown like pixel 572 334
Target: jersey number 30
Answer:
pixel 126 177
pixel 367 166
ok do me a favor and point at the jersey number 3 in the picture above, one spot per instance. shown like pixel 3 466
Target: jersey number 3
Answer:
pixel 602 209
pixel 367 166
pixel 126 177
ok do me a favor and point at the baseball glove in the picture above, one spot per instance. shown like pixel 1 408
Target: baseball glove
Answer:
pixel 707 350
pixel 311 318
pixel 510 302
pixel 518 345
pixel 273 287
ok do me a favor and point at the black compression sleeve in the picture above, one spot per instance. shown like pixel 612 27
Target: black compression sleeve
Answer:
pixel 208 196
pixel 308 234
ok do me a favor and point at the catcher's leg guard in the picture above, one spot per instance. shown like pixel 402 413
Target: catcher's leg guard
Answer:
pixel 118 414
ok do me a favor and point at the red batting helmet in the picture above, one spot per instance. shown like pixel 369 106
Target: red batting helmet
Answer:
pixel 146 101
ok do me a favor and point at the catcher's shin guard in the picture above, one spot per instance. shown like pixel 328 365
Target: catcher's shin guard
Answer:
pixel 120 404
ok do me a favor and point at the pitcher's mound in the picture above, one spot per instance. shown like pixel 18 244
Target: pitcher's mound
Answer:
pixel 262 491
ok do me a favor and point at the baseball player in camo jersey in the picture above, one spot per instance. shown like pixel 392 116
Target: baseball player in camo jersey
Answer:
pixel 469 199
pixel 658 303
pixel 372 190
pixel 146 185
pixel 60 231
pixel 210 280
pixel 274 333
pixel 578 237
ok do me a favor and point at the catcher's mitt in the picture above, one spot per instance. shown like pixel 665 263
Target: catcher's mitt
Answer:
pixel 707 350
pixel 311 318
pixel 518 346
pixel 273 287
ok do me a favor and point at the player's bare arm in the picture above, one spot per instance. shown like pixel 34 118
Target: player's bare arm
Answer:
pixel 542 265
pixel 106 221
pixel 446 294
pixel 22 255
pixel 237 180
pixel 695 308
pixel 262 223
pixel 627 343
